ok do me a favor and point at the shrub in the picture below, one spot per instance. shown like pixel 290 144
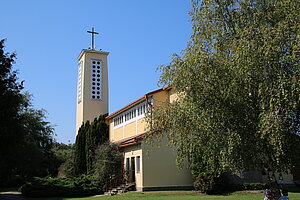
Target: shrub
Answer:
pixel 108 166
pixel 222 184
pixel 252 186
pixel 65 155
pixel 63 187
pixel 213 185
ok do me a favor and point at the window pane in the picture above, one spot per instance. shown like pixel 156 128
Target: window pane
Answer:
pixel 127 164
pixel 138 168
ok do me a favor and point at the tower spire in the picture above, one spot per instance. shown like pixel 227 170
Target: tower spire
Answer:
pixel 93 33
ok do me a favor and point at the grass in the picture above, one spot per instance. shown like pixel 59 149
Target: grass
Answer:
pixel 177 195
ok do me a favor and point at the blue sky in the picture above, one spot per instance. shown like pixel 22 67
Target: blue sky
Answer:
pixel 49 35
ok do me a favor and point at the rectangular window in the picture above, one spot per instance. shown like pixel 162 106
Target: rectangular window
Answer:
pixel 127 164
pixel 138 164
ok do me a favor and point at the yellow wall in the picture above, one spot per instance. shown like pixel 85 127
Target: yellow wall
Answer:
pixel 79 115
pixel 173 96
pixel 130 130
pixel 159 98
pixel 142 128
pixel 111 129
pixel 159 167
pixel 118 134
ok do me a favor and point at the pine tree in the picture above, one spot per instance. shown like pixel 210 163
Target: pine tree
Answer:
pixel 89 137
pixel 80 152
pixel 96 135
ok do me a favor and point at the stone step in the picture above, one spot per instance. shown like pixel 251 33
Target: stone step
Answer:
pixel 119 190
pixel 107 193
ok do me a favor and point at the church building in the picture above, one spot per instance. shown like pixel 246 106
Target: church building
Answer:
pixel 150 167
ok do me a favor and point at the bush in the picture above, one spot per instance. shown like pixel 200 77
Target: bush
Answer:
pixel 222 184
pixel 252 186
pixel 65 154
pixel 108 166
pixel 213 185
pixel 62 187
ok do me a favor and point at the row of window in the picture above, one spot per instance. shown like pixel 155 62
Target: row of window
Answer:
pixel 136 111
pixel 130 115
pixel 130 164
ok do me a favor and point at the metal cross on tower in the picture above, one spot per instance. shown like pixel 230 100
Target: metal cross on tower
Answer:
pixel 93 33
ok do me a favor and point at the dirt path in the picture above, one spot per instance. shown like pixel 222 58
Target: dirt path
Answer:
pixel 10 195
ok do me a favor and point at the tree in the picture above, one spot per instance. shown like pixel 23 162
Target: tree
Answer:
pixel 65 157
pixel 108 166
pixel 96 135
pixel 80 150
pixel 25 136
pixel 89 137
pixel 238 81
pixel 10 105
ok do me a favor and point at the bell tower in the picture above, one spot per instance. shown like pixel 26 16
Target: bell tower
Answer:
pixel 92 87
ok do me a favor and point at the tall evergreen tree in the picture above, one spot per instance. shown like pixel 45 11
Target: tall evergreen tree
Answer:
pixel 103 129
pixel 92 140
pixel 80 150
pixel 89 137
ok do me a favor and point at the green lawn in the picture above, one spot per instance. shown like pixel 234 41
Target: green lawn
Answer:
pixel 177 195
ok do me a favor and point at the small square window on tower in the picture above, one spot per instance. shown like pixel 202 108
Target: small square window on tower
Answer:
pixel 96 80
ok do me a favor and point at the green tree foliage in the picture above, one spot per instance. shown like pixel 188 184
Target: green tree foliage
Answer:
pixel 80 149
pixel 65 156
pixel 37 157
pixel 25 136
pixel 238 82
pixel 10 105
pixel 88 138
pixel 96 135
pixel 108 166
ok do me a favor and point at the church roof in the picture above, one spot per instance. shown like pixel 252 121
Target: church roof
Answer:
pixel 134 139
pixel 91 51
pixel 145 97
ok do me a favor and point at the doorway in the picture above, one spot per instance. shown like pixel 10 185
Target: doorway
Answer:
pixel 131 170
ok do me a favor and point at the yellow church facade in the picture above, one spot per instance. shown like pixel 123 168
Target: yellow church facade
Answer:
pixel 150 167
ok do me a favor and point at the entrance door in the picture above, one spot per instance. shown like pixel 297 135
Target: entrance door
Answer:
pixel 132 170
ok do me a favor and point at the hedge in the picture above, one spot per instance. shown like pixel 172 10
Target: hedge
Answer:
pixel 252 186
pixel 61 187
